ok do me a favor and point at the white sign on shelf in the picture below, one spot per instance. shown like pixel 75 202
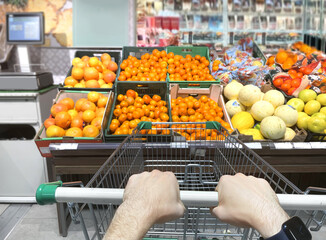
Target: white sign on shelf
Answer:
pixel 254 145
pixel 68 146
pixel 283 145
pixel 302 145
pixel 318 145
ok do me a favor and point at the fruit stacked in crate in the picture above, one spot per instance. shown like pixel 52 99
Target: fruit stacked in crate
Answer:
pixel 131 109
pixel 81 118
pixel 76 117
pixel 92 72
pixel 198 105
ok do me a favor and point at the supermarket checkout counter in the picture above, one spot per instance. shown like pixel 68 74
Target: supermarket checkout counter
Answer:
pixel 25 102
pixel 303 163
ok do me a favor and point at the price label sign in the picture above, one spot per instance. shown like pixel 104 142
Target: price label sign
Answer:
pixel 318 145
pixel 254 145
pixel 302 145
pixel 283 145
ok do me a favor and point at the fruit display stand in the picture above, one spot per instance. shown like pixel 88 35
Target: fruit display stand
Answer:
pixel 297 160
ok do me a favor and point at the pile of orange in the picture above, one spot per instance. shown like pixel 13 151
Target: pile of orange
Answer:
pixel 151 67
pixel 82 118
pixel 92 72
pixel 286 59
pixel 304 48
pixel 156 66
pixel 131 109
pixel 188 68
pixel 289 84
pixel 190 109
pixel 216 65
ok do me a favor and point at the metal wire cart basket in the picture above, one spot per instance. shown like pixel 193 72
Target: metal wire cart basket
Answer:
pixel 198 154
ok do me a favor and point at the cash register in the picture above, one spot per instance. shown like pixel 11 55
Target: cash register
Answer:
pixel 25 29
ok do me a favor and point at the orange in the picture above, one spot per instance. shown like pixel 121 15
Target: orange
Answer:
pixel 105 56
pixel 109 76
pixel 77 122
pixel 81 65
pixel 88 116
pixel 90 131
pixel 74 132
pixel 49 122
pixel 131 93
pixel 112 66
pixel 121 97
pixel 93 96
pixel 92 84
pixel 73 113
pixel 79 104
pixel 77 73
pixel 58 107
pixel 88 105
pixel 101 103
pixel 63 120
pixel 147 99
pixel 156 98
pixel 117 112
pixel 278 82
pixel 91 73
pixel 68 102
pixel 113 126
pixel 93 61
pixel 70 81
pixel 55 131
pixel 281 57
pixel 76 60
pixel 97 122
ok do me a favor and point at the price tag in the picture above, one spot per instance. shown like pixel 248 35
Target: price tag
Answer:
pixel 318 145
pixel 302 145
pixel 283 145
pixel 233 145
pixel 254 145
pixel 179 145
pixel 68 146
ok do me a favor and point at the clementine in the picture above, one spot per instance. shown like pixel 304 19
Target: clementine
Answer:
pixel 63 120
pixel 90 131
pixel 68 102
pixel 74 132
pixel 58 107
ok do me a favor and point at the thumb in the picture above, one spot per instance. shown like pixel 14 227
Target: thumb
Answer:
pixel 218 212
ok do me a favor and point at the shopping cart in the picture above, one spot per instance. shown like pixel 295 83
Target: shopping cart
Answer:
pixel 198 154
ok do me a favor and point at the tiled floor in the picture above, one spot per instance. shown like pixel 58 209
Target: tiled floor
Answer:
pixel 40 222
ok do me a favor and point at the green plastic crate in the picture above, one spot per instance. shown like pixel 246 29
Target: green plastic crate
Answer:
pixel 193 51
pixel 142 88
pixel 115 56
pixel 136 52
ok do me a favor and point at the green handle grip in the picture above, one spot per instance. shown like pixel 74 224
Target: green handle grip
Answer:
pixel 45 193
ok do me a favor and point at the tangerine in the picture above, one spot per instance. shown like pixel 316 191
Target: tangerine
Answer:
pixel 77 73
pixel 74 132
pixel 92 84
pixel 90 131
pixel 58 107
pixel 77 122
pixel 93 96
pixel 97 122
pixel 49 122
pixel 101 103
pixel 55 131
pixel 88 115
pixel 68 102
pixel 70 81
pixel 90 73
pixel 63 120
pixel 79 104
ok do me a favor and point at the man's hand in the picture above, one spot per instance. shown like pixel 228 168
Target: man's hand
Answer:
pixel 148 198
pixel 249 202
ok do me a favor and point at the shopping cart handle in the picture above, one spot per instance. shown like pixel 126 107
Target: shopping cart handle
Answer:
pixel 189 198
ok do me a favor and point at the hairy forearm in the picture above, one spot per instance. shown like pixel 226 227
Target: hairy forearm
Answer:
pixel 129 223
pixel 271 224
